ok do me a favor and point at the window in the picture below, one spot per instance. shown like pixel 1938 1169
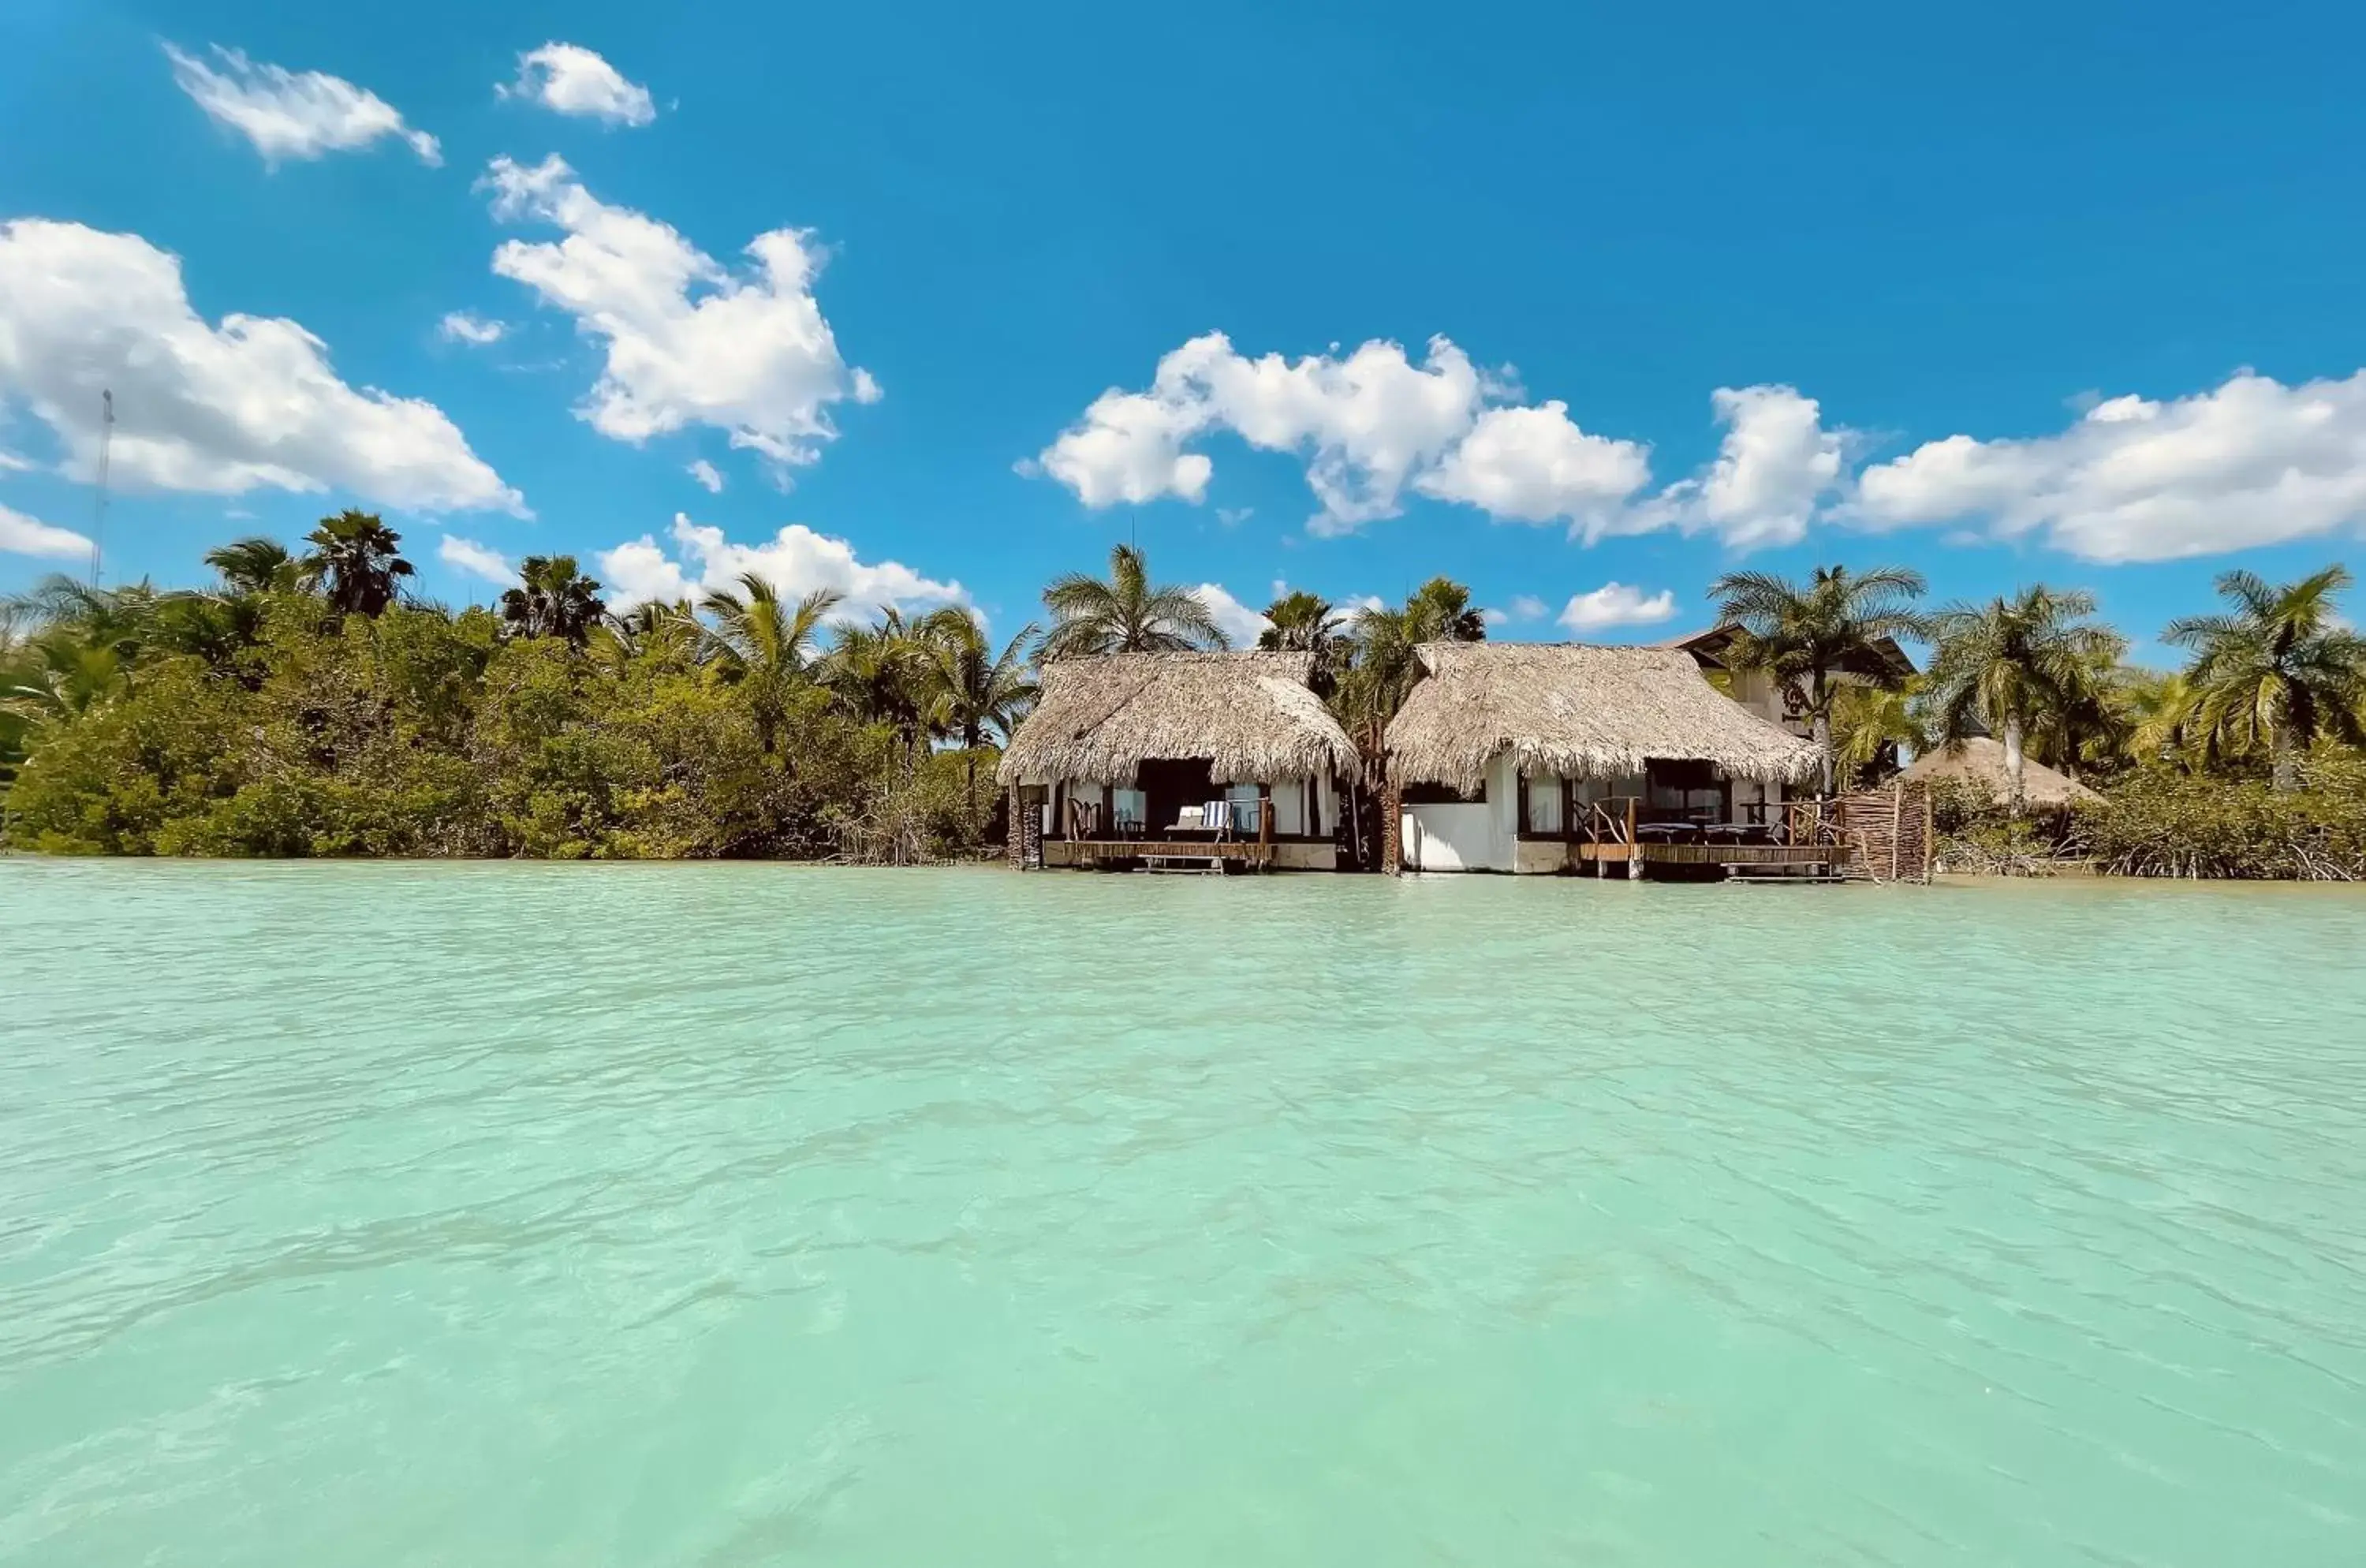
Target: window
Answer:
pixel 1442 795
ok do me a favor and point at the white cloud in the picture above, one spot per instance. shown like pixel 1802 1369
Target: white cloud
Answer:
pixel 476 559
pixel 1534 465
pixel 1240 622
pixel 797 561
pixel 1234 516
pixel 573 79
pixel 465 326
pixel 2251 462
pixel 1128 448
pixel 251 403
pixel 1365 423
pixel 1493 617
pixel 10 463
pixel 688 342
pixel 287 114
pixel 23 536
pixel 1373 423
pixel 1774 466
pixel 1616 604
pixel 706 473
pixel 1527 608
pixel 640 572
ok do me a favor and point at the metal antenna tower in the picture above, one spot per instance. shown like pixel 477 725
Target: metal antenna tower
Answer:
pixel 106 443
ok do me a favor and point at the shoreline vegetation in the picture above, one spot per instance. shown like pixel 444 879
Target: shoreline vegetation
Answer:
pixel 304 704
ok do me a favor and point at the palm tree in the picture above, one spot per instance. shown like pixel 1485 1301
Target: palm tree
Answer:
pixel 1125 614
pixel 876 672
pixel 1382 666
pixel 254 565
pixel 2156 715
pixel 668 633
pixel 1439 610
pixel 1301 623
pixel 765 645
pixel 354 554
pixel 971 692
pixel 1870 724
pixel 553 600
pixel 2088 727
pixel 2012 665
pixel 1802 635
pixel 2279 670
pixel 69 648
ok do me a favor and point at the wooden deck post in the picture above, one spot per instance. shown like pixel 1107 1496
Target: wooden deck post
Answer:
pixel 1928 844
pixel 1896 823
pixel 1634 846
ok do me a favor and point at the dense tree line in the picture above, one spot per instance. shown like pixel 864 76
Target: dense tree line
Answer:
pixel 304 703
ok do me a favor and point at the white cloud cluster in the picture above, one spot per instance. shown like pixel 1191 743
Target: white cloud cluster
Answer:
pixel 476 559
pixel 573 80
pixel 1774 467
pixel 688 342
pixel 1534 465
pixel 1373 423
pixel 467 326
pixel 223 410
pixel 1364 423
pixel 1616 604
pixel 796 561
pixel 23 536
pixel 2250 462
pixel 1236 620
pixel 708 474
pixel 290 114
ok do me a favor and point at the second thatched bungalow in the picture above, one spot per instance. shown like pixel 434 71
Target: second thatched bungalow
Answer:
pixel 1218 759
pixel 1532 758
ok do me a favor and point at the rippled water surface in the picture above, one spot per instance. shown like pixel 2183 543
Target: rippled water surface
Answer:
pixel 510 1215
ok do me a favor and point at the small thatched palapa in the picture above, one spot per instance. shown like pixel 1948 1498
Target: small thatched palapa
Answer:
pixel 1579 711
pixel 1980 762
pixel 1250 715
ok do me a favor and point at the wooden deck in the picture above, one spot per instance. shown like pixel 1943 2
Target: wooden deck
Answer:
pixel 1585 854
pixel 1093 852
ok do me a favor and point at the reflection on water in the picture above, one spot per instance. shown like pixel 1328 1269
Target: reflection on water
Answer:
pixel 377 1214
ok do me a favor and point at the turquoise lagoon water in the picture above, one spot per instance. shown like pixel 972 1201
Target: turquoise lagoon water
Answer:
pixel 731 1215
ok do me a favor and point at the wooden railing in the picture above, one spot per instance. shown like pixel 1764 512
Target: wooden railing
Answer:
pixel 1612 821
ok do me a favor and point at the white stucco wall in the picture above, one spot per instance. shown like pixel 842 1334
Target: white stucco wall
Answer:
pixel 1478 837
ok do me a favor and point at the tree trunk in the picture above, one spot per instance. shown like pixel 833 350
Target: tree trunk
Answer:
pixel 1823 731
pixel 2283 760
pixel 2014 769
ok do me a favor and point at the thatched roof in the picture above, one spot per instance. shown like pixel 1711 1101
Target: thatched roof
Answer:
pixel 1884 661
pixel 1979 762
pixel 1250 715
pixel 1578 710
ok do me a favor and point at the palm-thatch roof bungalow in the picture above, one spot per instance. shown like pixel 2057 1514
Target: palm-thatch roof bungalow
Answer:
pixel 1978 762
pixel 1144 757
pixel 1506 756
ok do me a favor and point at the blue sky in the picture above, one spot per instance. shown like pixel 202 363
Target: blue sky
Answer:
pixel 1981 289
